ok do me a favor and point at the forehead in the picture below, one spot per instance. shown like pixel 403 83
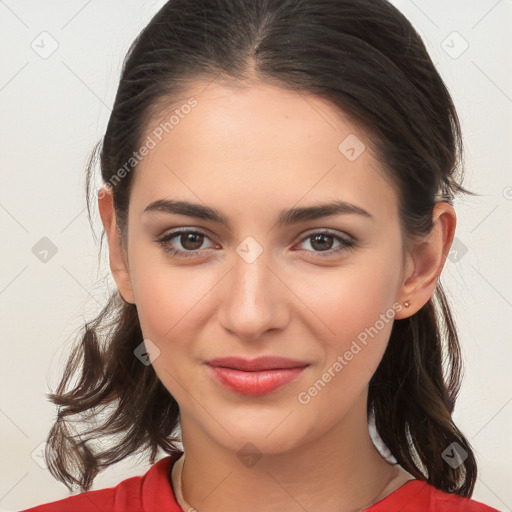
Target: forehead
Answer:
pixel 258 144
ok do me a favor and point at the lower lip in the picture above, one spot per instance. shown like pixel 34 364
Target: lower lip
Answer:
pixel 254 383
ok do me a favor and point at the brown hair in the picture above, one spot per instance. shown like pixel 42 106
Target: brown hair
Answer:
pixel 366 59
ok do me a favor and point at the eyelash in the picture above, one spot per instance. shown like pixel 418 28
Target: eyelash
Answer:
pixel 346 244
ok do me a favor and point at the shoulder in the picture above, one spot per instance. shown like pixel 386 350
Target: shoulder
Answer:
pixel 148 492
pixel 420 496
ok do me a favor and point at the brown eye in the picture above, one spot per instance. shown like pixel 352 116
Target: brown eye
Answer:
pixel 191 241
pixel 183 243
pixel 324 242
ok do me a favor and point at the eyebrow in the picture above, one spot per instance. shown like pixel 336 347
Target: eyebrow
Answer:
pixel 286 217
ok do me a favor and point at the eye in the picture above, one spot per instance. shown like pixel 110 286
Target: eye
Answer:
pixel 191 241
pixel 322 243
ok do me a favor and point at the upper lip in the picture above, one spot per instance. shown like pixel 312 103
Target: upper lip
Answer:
pixel 258 364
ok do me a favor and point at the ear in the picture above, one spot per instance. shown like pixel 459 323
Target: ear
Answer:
pixel 117 257
pixel 424 260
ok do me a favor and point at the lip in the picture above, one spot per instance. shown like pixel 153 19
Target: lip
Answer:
pixel 255 377
pixel 258 364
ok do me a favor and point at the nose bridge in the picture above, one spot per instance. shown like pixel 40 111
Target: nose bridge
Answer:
pixel 253 300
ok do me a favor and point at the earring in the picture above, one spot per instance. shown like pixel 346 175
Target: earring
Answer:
pixel 407 303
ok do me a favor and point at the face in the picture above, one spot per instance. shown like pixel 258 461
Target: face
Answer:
pixel 319 290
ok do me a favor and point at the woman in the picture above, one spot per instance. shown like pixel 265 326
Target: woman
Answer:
pixel 278 183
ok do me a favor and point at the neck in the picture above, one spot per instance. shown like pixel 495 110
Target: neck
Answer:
pixel 340 471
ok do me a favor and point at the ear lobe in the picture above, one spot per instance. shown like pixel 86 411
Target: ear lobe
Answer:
pixel 427 258
pixel 118 264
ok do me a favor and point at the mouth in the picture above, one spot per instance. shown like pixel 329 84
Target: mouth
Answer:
pixel 255 377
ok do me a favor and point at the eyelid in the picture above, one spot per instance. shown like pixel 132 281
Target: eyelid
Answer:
pixel 166 237
pixel 206 232
pixel 347 241
pixel 330 232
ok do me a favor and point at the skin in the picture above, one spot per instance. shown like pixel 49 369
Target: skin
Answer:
pixel 250 152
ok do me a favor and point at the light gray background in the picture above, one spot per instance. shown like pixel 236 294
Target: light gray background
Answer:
pixel 54 109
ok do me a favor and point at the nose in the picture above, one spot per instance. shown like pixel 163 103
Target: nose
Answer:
pixel 253 299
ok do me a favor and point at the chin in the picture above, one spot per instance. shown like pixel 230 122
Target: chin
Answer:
pixel 265 436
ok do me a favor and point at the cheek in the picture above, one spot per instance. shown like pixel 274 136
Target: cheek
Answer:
pixel 170 303
pixel 171 306
pixel 349 299
pixel 360 318
pixel 169 297
pixel 354 312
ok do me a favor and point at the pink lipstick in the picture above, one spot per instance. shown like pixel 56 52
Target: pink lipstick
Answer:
pixel 255 377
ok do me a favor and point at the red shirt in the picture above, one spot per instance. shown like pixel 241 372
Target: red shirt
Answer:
pixel 152 492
